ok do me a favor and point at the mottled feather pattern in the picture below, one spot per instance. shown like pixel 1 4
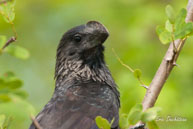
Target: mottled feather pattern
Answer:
pixel 84 85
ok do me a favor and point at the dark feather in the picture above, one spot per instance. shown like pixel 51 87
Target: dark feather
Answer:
pixel 84 86
pixel 78 108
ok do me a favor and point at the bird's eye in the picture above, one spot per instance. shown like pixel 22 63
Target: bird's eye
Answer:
pixel 77 38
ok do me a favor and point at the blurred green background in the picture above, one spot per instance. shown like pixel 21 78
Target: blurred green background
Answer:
pixel 131 23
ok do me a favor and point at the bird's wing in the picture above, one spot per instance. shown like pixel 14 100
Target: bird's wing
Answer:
pixel 78 107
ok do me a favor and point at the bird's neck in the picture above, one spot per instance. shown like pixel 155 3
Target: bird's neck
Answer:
pixel 78 70
pixel 74 72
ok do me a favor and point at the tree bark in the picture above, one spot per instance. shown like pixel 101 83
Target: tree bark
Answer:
pixel 166 66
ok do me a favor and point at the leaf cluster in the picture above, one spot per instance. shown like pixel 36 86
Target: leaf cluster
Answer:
pixel 7 11
pixel 135 115
pixel 175 27
pixel 12 97
pixel 10 84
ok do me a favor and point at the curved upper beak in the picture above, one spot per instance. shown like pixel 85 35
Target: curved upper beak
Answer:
pixel 99 29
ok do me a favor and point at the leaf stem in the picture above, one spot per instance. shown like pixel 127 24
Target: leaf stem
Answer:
pixel 37 125
pixel 173 42
pixel 142 83
pixel 14 30
pixel 128 67
pixel 13 38
pixel 181 41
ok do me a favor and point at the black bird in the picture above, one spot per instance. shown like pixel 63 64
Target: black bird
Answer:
pixel 84 85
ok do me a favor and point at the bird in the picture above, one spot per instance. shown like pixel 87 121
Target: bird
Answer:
pixel 84 86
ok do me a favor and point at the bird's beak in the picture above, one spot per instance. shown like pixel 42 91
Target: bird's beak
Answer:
pixel 100 29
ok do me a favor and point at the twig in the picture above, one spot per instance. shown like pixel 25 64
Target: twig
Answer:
pixel 14 38
pixel 165 67
pixel 128 67
pixel 161 75
pixel 144 86
pixel 37 125
pixel 14 30
pixel 174 46
pixel 11 40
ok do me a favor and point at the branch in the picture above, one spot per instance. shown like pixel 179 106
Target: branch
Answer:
pixel 166 66
pixel 11 40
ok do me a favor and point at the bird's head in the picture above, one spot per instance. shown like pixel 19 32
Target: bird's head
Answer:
pixel 84 42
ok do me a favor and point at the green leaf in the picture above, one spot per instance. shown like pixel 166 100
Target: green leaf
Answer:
pixel 135 114
pixel 17 51
pixel 7 11
pixel 14 83
pixel 180 19
pixel 137 73
pixel 150 114
pixel 182 29
pixel 7 122
pixel 152 125
pixel 170 13
pixel 112 121
pixel 164 35
pixel 123 121
pixel 169 26
pixel 4 98
pixel 3 40
pixel 102 123
pixel 138 106
pixel 20 93
pixel 2 120
pixel 1 83
pixel 185 30
pixel 17 108
pixel 9 80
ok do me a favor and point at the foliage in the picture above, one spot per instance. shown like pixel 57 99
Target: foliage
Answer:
pixel 102 123
pixel 40 25
pixel 10 84
pixel 14 50
pixel 4 122
pixel 135 115
pixel 136 73
pixel 175 27
pixel 12 97
pixel 7 11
